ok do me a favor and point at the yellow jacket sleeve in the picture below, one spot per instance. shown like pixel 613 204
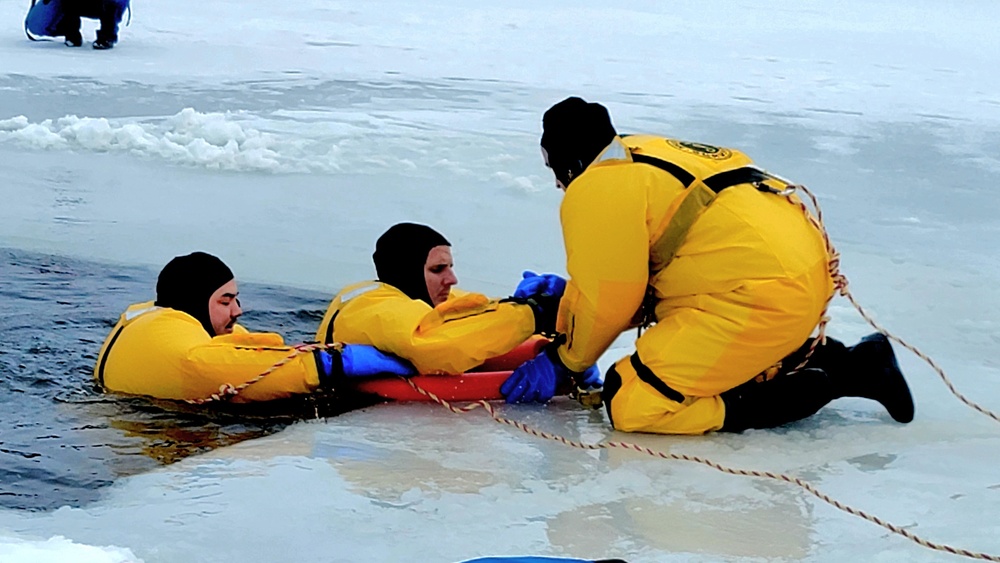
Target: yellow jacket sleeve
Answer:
pixel 453 337
pixel 236 358
pixel 605 232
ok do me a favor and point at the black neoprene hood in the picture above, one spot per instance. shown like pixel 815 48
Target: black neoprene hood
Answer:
pixel 400 256
pixel 186 284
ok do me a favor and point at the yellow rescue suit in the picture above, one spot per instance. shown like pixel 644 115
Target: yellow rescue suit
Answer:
pixel 734 275
pixel 453 337
pixel 166 353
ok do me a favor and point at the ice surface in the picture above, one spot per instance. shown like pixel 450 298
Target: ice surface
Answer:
pixel 285 137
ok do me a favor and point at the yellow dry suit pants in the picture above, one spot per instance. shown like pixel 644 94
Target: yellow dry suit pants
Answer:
pixel 705 344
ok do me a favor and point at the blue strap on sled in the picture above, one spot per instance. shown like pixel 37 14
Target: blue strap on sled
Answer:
pixel 44 17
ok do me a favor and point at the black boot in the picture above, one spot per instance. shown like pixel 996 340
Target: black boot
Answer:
pixel 786 398
pixel 874 373
pixel 73 39
pixel 105 40
pixel 868 369
pixel 102 44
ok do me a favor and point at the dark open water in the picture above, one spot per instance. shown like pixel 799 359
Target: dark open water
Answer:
pixel 61 439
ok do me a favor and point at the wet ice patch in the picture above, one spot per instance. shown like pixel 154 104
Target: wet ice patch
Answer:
pixel 839 145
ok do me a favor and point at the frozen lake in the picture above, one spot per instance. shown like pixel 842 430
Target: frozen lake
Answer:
pixel 286 137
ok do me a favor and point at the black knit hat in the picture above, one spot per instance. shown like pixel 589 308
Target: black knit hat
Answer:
pixel 186 284
pixel 574 132
pixel 400 256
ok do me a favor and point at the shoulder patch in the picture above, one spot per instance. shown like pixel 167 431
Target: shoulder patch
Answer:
pixel 700 149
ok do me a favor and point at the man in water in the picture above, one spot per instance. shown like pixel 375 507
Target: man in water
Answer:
pixel 723 260
pixel 415 311
pixel 187 345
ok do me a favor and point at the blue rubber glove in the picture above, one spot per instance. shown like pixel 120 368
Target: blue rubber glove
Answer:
pixel 542 292
pixel 537 379
pixel 534 284
pixel 358 360
pixel 592 378
pixel 533 381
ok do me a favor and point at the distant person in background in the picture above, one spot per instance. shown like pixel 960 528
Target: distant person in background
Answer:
pixel 414 311
pixel 187 345
pixel 61 18
pixel 725 265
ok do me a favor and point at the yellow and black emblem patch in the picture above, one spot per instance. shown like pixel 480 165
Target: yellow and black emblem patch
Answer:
pixel 699 149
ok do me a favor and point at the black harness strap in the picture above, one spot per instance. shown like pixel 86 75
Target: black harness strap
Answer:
pixel 329 329
pixel 648 377
pixel 735 177
pixel 716 183
pixel 683 176
pixel 107 352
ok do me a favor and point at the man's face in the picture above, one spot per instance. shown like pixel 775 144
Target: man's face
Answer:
pixel 224 308
pixel 545 157
pixel 439 273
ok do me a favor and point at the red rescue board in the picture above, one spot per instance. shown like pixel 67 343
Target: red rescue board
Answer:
pixel 481 383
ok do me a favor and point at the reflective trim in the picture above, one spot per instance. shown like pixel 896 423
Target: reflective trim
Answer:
pixel 129 315
pixel 356 292
pixel 615 151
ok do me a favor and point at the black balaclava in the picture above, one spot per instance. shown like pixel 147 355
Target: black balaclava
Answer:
pixel 400 257
pixel 187 282
pixel 574 132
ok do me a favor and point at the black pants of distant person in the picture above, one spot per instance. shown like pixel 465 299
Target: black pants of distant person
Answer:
pixel 108 12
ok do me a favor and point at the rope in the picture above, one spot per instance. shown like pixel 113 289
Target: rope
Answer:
pixel 833 266
pixel 228 391
pixel 805 485
pixel 840 284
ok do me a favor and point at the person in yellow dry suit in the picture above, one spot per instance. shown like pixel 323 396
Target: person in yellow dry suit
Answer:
pixel 187 345
pixel 699 241
pixel 414 311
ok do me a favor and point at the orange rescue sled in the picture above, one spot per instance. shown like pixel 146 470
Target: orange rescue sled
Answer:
pixel 481 383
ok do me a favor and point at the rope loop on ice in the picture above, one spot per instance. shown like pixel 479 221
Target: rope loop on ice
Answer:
pixel 840 284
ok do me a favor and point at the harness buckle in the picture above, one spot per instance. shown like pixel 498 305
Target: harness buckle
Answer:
pixel 590 398
pixel 787 191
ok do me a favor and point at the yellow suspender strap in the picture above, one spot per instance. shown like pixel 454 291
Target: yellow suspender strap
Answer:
pixel 700 194
pixel 696 200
